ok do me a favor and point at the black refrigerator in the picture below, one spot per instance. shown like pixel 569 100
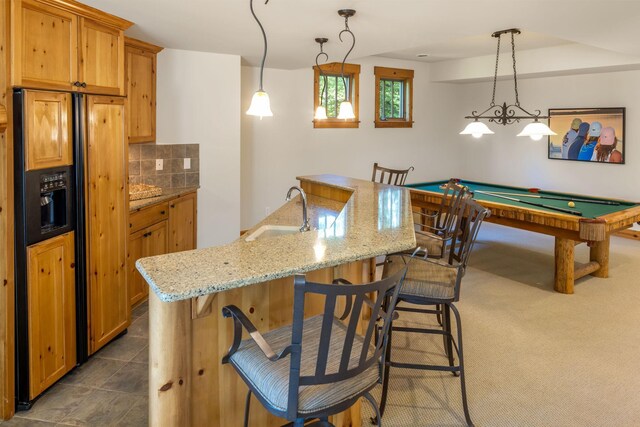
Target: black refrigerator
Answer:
pixel 49 202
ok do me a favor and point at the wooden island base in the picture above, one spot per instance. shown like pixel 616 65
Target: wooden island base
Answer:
pixel 188 385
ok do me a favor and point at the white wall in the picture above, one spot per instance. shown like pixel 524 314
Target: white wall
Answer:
pixel 275 150
pixel 505 158
pixel 198 97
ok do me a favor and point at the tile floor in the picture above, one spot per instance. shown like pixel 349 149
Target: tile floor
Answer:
pixel 109 390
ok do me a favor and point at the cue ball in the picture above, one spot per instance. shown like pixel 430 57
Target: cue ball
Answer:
pixel 572 205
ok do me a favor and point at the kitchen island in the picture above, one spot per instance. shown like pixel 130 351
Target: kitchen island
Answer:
pixel 352 221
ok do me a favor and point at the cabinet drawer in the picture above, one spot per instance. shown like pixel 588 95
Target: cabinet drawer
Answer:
pixel 148 216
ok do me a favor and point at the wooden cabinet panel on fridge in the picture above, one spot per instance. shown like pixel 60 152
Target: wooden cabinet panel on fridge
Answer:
pixel 52 308
pixel 101 58
pixel 149 241
pixel 47 132
pixel 107 208
pixel 45 41
pixel 182 223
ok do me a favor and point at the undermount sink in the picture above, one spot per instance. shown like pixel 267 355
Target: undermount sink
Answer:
pixel 272 231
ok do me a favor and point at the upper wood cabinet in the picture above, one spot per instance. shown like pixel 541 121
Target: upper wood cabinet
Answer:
pixel 47 132
pixel 140 64
pixel 52 307
pixel 107 214
pixel 65 45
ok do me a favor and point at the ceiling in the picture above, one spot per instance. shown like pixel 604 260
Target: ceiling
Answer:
pixel 444 29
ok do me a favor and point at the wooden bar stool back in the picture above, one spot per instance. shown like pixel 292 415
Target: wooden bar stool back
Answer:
pixel 390 176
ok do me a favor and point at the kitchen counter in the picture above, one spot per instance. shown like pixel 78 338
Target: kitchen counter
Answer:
pixel 167 193
pixel 374 220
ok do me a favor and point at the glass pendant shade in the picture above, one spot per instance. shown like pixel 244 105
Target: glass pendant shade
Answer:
pixel 321 113
pixel 536 131
pixel 260 105
pixel 346 111
pixel 476 129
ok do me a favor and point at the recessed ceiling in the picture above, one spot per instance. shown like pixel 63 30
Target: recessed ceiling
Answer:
pixel 445 29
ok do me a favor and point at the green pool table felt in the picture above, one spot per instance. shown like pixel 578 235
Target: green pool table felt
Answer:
pixel 589 210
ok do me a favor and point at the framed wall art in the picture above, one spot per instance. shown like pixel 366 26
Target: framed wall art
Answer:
pixel 588 134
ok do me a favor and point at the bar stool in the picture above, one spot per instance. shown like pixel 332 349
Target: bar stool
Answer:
pixel 330 366
pixel 390 176
pixel 436 282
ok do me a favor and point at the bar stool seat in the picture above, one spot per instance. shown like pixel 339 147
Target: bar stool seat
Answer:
pixel 432 243
pixel 434 278
pixel 270 380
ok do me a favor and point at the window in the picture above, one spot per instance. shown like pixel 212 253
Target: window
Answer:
pixel 394 97
pixel 335 93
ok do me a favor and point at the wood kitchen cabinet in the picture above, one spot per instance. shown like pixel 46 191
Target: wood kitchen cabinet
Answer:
pixel 149 241
pixel 182 223
pixel 64 45
pixel 52 307
pixel 47 131
pixel 107 212
pixel 140 84
pixel 167 226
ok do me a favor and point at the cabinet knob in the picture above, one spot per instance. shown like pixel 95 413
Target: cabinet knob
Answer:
pixel 76 84
pixel 162 212
pixel 83 84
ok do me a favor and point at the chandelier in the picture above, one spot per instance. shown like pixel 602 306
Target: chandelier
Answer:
pixel 321 111
pixel 346 109
pixel 507 114
pixel 260 105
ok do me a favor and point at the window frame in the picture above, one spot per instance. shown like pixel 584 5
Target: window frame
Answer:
pixel 352 72
pixel 398 74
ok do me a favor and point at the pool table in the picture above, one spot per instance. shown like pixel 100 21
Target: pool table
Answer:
pixel 594 225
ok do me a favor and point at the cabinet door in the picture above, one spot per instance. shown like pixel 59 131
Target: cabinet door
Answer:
pixel 141 94
pixel 47 132
pixel 101 58
pixel 148 242
pixel 52 308
pixel 107 208
pixel 45 44
pixel 182 223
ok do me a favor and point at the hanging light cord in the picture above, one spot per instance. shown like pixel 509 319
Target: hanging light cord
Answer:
pixel 495 75
pixel 324 77
pixel 264 36
pixel 515 75
pixel 346 30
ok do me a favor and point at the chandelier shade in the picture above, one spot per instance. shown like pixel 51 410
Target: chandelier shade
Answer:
pixel 536 131
pixel 477 129
pixel 260 105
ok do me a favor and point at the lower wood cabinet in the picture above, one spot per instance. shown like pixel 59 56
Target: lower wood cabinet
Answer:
pixel 52 307
pixel 182 223
pixel 168 226
pixel 149 241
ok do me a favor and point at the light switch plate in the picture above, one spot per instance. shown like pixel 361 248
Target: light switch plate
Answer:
pixel 187 163
pixel 159 164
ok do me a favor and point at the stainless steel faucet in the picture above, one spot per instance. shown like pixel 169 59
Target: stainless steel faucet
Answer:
pixel 305 219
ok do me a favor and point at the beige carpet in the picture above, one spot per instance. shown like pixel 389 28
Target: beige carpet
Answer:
pixel 534 357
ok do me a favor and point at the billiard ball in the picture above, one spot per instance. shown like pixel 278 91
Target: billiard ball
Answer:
pixel 572 205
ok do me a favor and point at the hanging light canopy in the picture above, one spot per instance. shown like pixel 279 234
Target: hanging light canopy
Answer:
pixel 507 114
pixel 321 111
pixel 346 109
pixel 260 105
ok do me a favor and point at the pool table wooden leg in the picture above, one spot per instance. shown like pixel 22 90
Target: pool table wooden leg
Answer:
pixel 599 253
pixel 565 268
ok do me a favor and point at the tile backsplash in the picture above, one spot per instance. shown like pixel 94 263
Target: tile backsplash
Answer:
pixel 143 159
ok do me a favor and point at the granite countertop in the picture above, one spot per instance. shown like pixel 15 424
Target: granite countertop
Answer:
pixel 376 220
pixel 167 193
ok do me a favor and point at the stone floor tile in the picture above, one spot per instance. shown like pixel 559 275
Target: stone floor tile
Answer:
pixel 94 372
pixel 57 403
pixel 102 408
pixel 132 378
pixel 140 310
pixel 140 327
pixel 123 348
pixel 138 415
pixel 143 356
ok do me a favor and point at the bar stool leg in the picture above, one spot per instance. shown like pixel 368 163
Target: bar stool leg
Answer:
pixel 448 338
pixel 246 409
pixel 465 404
pixel 375 408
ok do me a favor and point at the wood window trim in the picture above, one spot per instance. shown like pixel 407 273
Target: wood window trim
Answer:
pixel 353 72
pixel 383 73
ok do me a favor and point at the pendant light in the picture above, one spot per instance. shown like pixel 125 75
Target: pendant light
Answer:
pixel 507 114
pixel 321 111
pixel 346 109
pixel 260 105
